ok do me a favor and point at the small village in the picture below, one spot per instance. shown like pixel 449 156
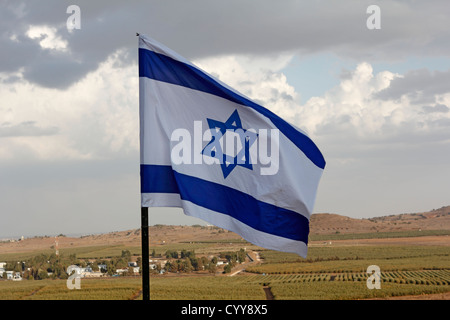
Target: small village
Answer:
pixel 61 267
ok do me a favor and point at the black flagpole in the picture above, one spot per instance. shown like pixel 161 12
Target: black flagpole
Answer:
pixel 145 255
pixel 145 252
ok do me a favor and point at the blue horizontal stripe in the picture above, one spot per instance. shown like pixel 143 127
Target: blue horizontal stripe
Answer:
pixel 163 68
pixel 158 179
pixel 259 215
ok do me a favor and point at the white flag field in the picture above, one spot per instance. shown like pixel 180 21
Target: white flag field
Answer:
pixel 220 156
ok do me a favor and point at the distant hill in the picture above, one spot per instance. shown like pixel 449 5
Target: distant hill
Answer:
pixel 321 223
pixel 326 223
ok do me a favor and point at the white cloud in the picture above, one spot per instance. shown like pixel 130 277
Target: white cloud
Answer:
pixel 383 155
pixel 95 118
pixel 350 123
pixel 258 78
pixel 351 111
pixel 350 105
pixel 48 37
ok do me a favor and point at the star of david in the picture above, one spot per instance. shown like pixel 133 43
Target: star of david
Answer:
pixel 233 126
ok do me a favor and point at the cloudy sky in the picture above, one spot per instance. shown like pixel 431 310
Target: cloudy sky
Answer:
pixel 375 101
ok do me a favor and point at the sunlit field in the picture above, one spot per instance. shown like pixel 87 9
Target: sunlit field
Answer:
pixel 328 273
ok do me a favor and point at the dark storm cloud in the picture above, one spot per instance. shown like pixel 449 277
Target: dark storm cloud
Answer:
pixel 421 86
pixel 203 28
pixel 439 108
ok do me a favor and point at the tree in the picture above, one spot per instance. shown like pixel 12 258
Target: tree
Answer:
pixel 126 254
pixel 187 254
pixel 130 272
pixel 212 268
pixel 60 272
pixel 227 268
pixel 26 275
pixel 17 267
pixel 139 262
pixel 110 269
pixel 42 274
pixel 171 254
pixel 194 263
pixel 188 266
pixel 120 263
pixel 241 255
pixel 52 258
pixel 171 266
pixel 73 259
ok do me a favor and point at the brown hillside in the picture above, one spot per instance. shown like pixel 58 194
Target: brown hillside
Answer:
pixel 325 223
pixel 328 223
pixel 321 223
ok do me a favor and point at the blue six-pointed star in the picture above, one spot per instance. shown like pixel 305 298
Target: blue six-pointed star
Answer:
pixel 214 148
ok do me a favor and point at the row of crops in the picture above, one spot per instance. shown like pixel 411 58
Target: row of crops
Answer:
pixel 344 285
pixel 351 285
pixel 91 289
pixel 425 277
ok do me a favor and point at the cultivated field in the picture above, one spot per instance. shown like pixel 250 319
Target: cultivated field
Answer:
pixel 91 289
pixel 330 272
pixel 414 263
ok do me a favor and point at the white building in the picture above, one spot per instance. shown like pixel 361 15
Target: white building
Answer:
pixel 155 261
pixel 136 270
pixel 83 272
pixel 17 276
pixel 120 271
pixel 102 267
pixel 94 274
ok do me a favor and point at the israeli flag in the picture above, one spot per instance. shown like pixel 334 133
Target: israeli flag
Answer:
pixel 220 156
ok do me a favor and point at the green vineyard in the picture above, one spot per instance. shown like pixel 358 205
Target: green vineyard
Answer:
pixel 345 285
pixel 424 277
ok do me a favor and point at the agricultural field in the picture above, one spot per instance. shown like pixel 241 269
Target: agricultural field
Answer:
pixel 91 289
pixel 379 235
pixel 412 263
pixel 242 287
pixel 327 274
pixel 299 286
pixel 205 288
pixel 331 271
pixel 355 259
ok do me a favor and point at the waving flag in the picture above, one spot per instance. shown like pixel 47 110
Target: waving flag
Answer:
pixel 220 156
